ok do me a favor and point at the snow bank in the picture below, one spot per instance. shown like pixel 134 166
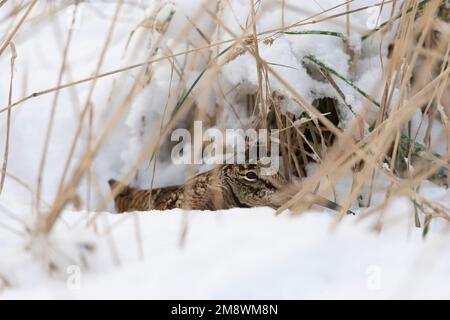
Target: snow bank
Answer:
pixel 247 254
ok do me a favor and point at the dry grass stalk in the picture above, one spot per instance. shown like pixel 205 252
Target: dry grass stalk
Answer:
pixel 319 139
pixel 16 28
pixel 53 111
pixel 4 282
pixel 8 118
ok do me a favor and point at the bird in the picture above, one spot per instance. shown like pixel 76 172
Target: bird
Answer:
pixel 224 187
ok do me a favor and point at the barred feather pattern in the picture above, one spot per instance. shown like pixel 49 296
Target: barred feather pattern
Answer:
pixel 227 186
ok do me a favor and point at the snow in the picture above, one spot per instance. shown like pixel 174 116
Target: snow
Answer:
pixel 246 254
pixel 39 59
pixel 239 253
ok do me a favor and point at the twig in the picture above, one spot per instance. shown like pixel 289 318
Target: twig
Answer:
pixel 2 2
pixel 186 52
pixel 4 282
pixel 89 105
pixel 420 7
pixel 17 27
pixel 53 111
pixel 333 83
pixel 313 59
pixel 8 117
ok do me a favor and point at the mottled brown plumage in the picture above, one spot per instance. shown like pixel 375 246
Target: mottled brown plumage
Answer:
pixel 227 186
pixel 224 187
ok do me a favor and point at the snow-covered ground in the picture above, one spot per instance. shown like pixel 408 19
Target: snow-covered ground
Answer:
pixel 240 253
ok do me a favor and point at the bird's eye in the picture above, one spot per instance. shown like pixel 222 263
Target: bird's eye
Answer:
pixel 251 176
pixel 125 192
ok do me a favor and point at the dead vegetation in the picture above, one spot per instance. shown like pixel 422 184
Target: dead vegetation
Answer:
pixel 416 78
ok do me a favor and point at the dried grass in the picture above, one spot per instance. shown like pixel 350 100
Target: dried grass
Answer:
pixel 316 137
